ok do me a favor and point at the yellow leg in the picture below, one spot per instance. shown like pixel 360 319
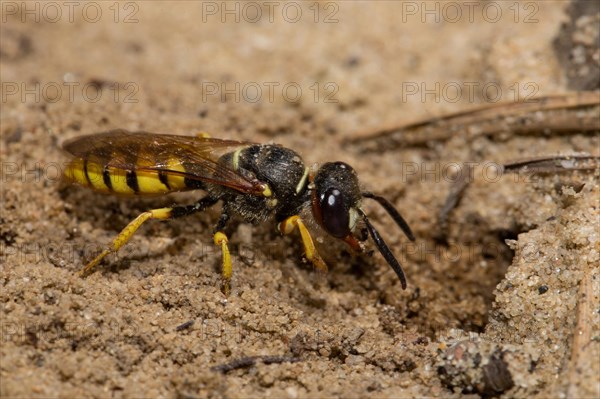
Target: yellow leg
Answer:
pixel 221 239
pixel 125 235
pixel 203 135
pixel 310 251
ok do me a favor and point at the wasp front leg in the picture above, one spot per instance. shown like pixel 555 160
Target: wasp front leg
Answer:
pixel 310 251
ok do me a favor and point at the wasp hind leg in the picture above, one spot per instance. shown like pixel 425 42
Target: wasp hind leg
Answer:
pixel 310 251
pixel 160 214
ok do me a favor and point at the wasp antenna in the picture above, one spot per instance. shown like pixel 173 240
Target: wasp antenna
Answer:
pixel 393 212
pixel 385 250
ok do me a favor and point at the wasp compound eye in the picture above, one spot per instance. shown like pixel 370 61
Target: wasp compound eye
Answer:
pixel 335 213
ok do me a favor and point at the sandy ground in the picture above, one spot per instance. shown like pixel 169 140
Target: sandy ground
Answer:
pixel 505 304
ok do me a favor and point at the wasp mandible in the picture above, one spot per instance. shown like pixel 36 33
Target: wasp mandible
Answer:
pixel 255 181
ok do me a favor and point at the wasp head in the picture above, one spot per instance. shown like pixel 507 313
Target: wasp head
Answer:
pixel 336 206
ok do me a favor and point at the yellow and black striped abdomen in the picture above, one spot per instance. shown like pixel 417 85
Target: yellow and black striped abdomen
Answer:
pixel 136 181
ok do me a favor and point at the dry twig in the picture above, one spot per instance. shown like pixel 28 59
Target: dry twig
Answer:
pixel 541 165
pixel 563 114
pixel 252 360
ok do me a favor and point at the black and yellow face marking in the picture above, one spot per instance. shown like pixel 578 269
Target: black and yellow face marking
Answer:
pixel 253 181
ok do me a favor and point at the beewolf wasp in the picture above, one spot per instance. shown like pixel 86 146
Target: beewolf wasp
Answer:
pixel 254 181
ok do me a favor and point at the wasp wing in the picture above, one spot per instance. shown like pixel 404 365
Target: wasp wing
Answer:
pixel 195 158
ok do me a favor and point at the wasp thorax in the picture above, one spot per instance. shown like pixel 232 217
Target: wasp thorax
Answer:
pixel 337 195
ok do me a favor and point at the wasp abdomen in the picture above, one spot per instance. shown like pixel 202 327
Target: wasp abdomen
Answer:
pixel 138 180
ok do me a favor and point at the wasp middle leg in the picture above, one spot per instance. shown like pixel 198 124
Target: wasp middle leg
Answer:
pixel 221 239
pixel 160 214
